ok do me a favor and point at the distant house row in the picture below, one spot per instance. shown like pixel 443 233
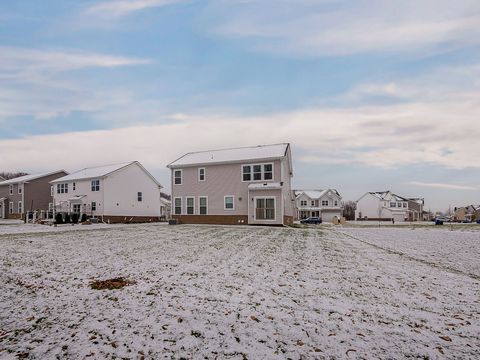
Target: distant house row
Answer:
pixel 386 206
pixel 248 185
pixel 468 213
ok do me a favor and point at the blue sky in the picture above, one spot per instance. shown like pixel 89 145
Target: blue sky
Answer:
pixel 373 95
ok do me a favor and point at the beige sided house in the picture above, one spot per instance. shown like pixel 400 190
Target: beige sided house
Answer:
pixel 28 193
pixel 249 185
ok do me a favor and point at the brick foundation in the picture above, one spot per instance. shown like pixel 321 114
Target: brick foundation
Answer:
pixel 212 219
pixel 112 219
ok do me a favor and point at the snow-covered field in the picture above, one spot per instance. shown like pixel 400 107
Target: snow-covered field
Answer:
pixel 239 292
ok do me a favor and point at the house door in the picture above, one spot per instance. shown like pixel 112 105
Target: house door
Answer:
pixel 76 208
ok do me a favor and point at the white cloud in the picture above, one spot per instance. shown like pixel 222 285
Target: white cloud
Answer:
pixel 118 8
pixel 443 186
pixel 326 29
pixel 42 83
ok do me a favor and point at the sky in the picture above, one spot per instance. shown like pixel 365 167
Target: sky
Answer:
pixel 371 94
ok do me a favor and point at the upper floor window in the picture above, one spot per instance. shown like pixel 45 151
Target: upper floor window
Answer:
pixel 11 189
pixel 20 188
pixel 62 188
pixel 312 203
pixel 139 196
pixel 257 172
pixel 178 206
pixel 73 186
pixel 229 202
pixel 392 204
pixel 404 204
pixel 177 177
pixel 324 202
pixel 399 204
pixel 303 202
pixel 201 174
pixel 336 203
pixel 95 185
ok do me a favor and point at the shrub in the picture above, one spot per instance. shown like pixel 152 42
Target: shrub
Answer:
pixel 67 219
pixel 84 218
pixel 75 217
pixel 59 218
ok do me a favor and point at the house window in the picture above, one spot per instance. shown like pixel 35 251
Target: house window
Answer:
pixel 201 174
pixel 139 196
pixel 11 189
pixel 62 188
pixel 257 172
pixel 10 208
pixel 260 172
pixel 229 202
pixel 265 209
pixel 203 205
pixel 190 205
pixel 247 173
pixel 303 202
pixel 51 190
pixel 336 203
pixel 268 172
pixel 93 206
pixel 177 177
pixel 73 186
pixel 20 188
pixel 324 202
pixel 312 203
pixel 178 206
pixel 404 205
pixel 95 185
pixel 399 204
pixel 392 204
pixel 20 207
pixel 50 207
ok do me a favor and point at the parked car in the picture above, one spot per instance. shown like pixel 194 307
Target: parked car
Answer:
pixel 311 220
pixel 478 221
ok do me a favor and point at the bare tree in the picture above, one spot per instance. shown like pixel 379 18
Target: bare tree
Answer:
pixel 349 210
pixel 10 175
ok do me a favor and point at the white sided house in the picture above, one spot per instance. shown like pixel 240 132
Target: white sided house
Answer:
pixel 382 206
pixel 325 204
pixel 124 192
pixel 249 185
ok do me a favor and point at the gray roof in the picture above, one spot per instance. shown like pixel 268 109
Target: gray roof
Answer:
pixel 27 178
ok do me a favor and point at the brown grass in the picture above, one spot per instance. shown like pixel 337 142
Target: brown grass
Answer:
pixel 111 284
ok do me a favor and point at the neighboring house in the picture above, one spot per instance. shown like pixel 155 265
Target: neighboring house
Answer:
pixel 165 208
pixel 467 213
pixel 27 193
pixel 2 179
pixel 415 207
pixel 115 193
pixel 325 204
pixel 382 206
pixel 250 185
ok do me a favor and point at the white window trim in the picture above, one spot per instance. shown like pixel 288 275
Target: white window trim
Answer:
pixel 181 177
pixel 20 207
pixel 92 186
pixel 141 196
pixel 10 189
pixel 19 189
pixel 50 207
pixel 202 197
pixel 175 205
pixel 263 172
pixel 10 207
pixel 225 204
pixel 91 206
pixel 186 205
pixel 51 190
pixel 255 208
pixel 204 174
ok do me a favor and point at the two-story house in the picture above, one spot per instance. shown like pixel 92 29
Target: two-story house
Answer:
pixel 382 206
pixel 325 204
pixel 124 192
pixel 415 208
pixel 27 193
pixel 249 185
